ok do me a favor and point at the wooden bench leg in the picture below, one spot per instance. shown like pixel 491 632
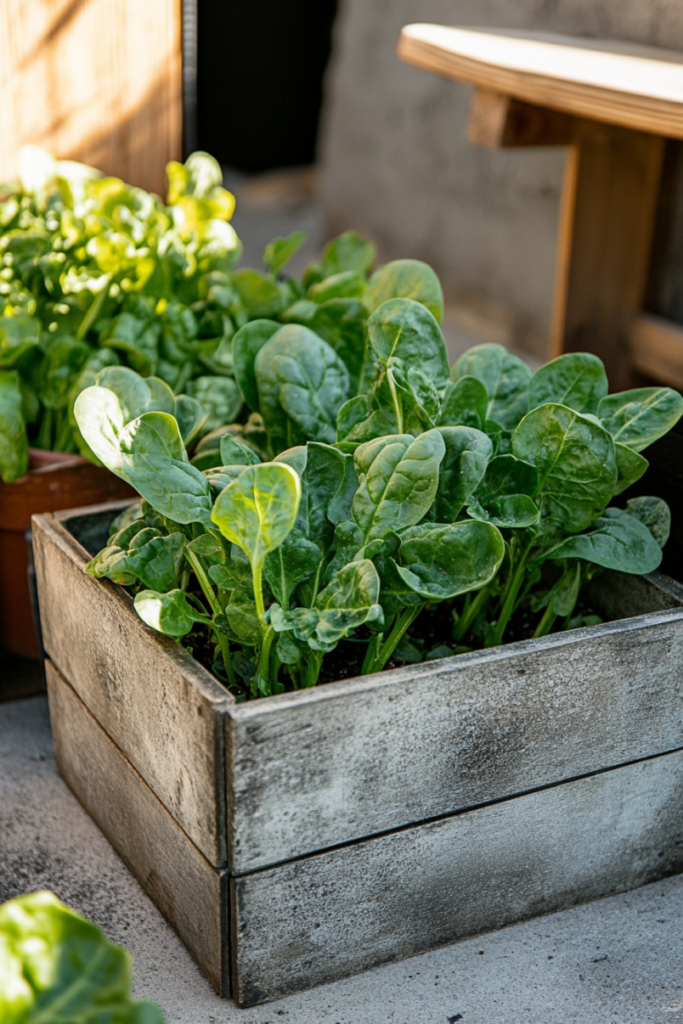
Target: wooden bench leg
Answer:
pixel 606 225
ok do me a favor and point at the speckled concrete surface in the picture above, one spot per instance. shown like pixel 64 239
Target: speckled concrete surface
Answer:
pixel 617 961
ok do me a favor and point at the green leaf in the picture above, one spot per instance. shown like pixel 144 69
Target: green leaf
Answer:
pixel 407 279
pixel 347 285
pixel 170 613
pixel 191 418
pixel 576 463
pixel 258 509
pixel 13 440
pixel 348 252
pixel 618 541
pixel 260 295
pixel 302 385
pixel 467 454
pixel 342 323
pixel 56 967
pixel 653 513
pixel 403 329
pixel 243 619
pixel 234 453
pixel 100 420
pixel 136 394
pixel 398 478
pixel 350 600
pixel 465 404
pixel 221 476
pixel 325 473
pixel 505 377
pixel 18 335
pixel 153 433
pixel 637 418
pixel 440 562
pixel 294 561
pixel 279 252
pixel 511 510
pixel 59 370
pixel 506 475
pixel 146 555
pixel 219 397
pixel 246 345
pixel 576 379
pixel 630 467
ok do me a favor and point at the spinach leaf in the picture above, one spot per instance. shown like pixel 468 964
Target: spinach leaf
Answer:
pixel 577 380
pixel 630 466
pixel 56 966
pixel 246 345
pixel 172 613
pixel 505 377
pixel 617 541
pixel 302 385
pixel 279 252
pixel 442 561
pixel 653 513
pixel 406 330
pixel 466 457
pixel 465 404
pixel 348 252
pixel 575 460
pixel 398 480
pixel 407 279
pixel 219 398
pixel 637 418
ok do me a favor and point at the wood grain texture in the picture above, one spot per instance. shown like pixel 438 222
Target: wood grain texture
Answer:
pixel 158 705
pixel 617 83
pixel 606 227
pixel 499 121
pixel 656 349
pixel 332 765
pixel 347 910
pixel 93 80
pixel 180 881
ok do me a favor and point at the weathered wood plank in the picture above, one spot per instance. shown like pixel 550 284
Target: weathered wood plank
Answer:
pixel 317 768
pixel 158 705
pixel 344 911
pixel 184 886
pixel 96 81
pixel 656 349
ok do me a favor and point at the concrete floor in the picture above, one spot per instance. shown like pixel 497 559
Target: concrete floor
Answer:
pixel 616 961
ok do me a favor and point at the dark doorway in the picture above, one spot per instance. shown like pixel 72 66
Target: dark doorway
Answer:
pixel 260 66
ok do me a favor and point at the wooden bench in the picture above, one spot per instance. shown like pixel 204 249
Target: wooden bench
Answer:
pixel 613 105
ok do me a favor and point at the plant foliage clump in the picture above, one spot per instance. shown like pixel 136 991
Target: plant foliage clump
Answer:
pixel 372 484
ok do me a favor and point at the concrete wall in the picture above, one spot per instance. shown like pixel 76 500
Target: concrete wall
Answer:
pixel 397 166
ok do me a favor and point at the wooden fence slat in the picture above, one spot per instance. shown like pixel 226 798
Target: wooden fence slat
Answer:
pixel 93 80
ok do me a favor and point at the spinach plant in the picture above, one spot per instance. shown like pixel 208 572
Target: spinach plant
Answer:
pixel 372 486
pixel 56 966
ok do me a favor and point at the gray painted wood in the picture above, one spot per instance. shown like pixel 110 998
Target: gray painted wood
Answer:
pixel 158 705
pixel 322 767
pixel 180 881
pixel 329 916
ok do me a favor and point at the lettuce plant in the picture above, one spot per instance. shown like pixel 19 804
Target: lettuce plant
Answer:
pixel 56 966
pixel 372 485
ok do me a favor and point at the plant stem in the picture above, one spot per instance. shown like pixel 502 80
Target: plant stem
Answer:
pixel 263 665
pixel 548 620
pixel 257 573
pixel 214 603
pixel 398 408
pixel 93 311
pixel 506 611
pixel 371 653
pixel 469 613
pixel 401 625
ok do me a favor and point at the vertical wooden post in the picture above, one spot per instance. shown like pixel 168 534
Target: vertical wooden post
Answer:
pixel 606 225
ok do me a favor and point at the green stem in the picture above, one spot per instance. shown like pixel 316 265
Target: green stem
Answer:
pixel 398 408
pixel 548 620
pixel 214 603
pixel 401 625
pixel 93 311
pixel 469 613
pixel 373 650
pixel 263 666
pixel 506 611
pixel 257 575
pixel 185 375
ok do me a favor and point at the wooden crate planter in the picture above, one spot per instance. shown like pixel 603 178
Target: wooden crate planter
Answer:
pixel 302 838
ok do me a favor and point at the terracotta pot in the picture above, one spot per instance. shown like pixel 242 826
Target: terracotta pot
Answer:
pixel 54 482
